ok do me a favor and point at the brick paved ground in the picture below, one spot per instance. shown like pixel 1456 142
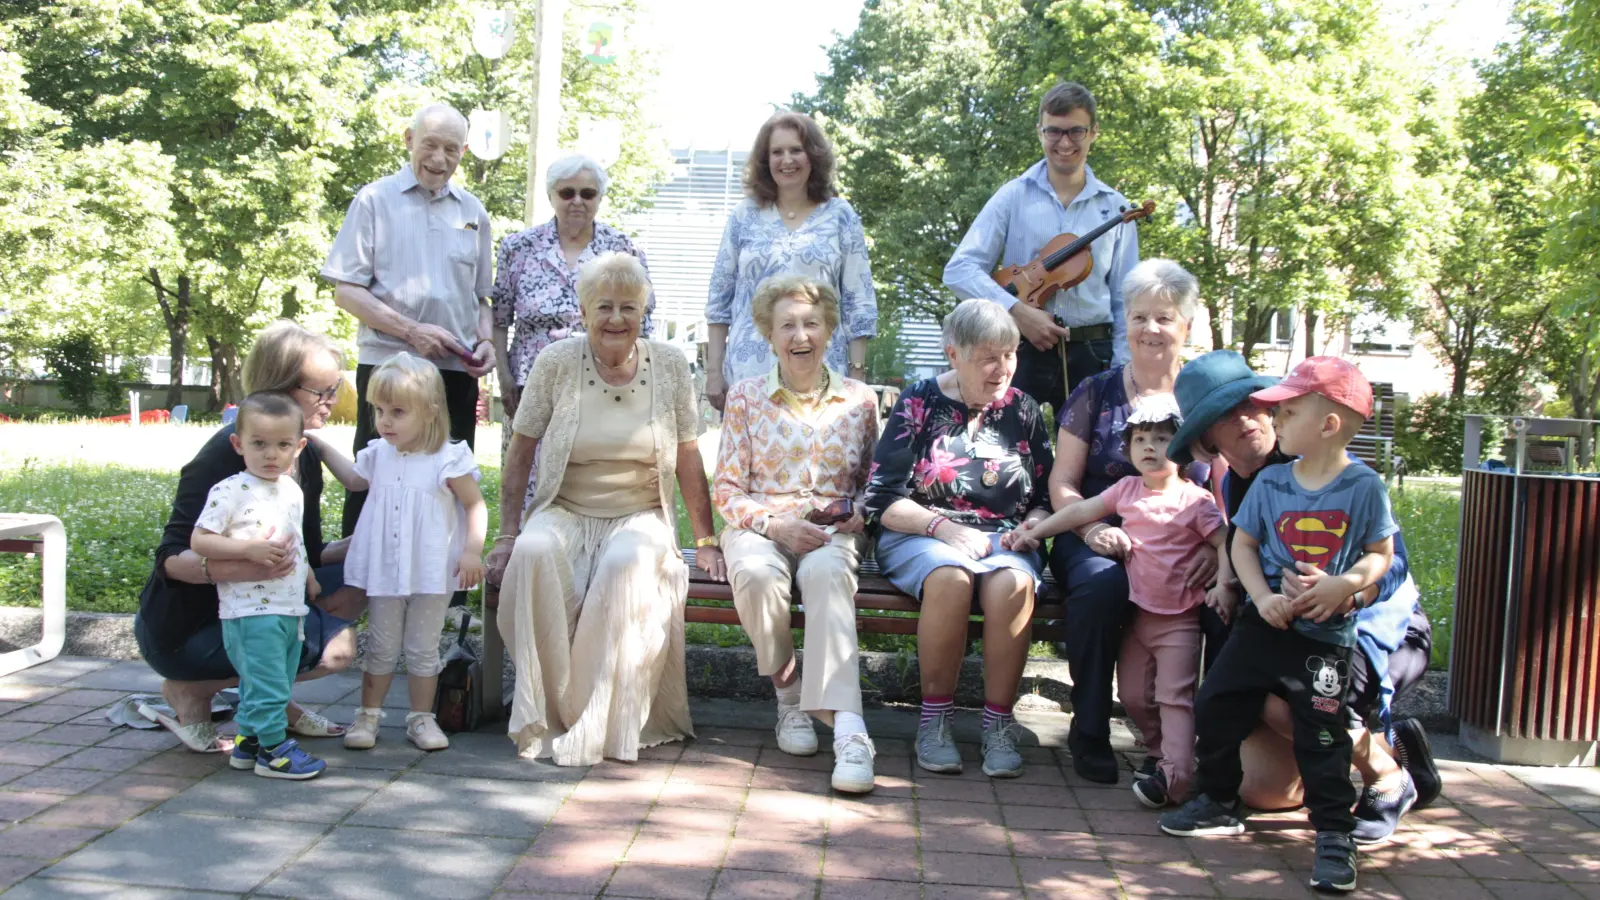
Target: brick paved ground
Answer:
pixel 92 811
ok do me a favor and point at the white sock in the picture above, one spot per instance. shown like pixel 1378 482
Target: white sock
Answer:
pixel 848 723
pixel 789 696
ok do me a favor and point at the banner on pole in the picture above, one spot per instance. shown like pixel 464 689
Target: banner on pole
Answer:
pixel 487 133
pixel 491 32
pixel 601 41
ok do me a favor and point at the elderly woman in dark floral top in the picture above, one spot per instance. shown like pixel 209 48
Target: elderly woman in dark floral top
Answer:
pixel 962 462
pixel 536 276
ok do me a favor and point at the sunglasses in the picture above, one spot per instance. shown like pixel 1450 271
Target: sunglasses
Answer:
pixel 569 193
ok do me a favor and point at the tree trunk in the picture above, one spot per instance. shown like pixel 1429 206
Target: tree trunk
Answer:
pixel 1215 310
pixel 290 307
pixel 1311 332
pixel 225 387
pixel 175 308
pixel 1583 388
pixel 1458 381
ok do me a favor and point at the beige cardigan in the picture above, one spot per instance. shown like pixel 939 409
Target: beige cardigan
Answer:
pixel 548 413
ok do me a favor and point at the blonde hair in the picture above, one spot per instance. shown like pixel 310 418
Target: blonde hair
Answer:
pixel 414 383
pixel 611 272
pixel 794 287
pixel 279 354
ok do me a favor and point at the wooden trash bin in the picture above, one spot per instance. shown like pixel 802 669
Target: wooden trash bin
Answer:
pixel 1525 651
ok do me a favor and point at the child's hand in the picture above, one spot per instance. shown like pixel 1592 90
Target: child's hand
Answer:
pixel 1223 600
pixel 1275 610
pixel 1325 598
pixel 471 566
pixel 313 590
pixel 267 553
pixel 1021 540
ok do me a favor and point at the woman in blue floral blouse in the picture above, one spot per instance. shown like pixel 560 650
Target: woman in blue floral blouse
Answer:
pixel 963 460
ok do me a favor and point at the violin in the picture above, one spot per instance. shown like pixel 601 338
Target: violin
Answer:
pixel 1063 263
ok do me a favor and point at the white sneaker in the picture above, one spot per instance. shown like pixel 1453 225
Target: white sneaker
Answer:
pixel 852 764
pixel 363 732
pixel 424 731
pixel 796 737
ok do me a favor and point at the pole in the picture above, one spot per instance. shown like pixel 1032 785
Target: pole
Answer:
pixel 544 114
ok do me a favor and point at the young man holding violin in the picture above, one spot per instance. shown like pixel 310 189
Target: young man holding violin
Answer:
pixel 1079 331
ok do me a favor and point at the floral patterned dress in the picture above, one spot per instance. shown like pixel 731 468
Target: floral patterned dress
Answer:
pixel 988 482
pixel 536 293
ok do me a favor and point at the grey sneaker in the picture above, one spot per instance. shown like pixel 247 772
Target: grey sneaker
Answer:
pixel 1000 756
pixel 936 747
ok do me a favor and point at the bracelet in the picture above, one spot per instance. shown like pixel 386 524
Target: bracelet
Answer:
pixel 1094 530
pixel 933 525
pixel 709 540
pixel 205 570
pixel 503 537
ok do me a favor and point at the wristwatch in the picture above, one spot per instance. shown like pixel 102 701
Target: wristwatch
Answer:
pixel 707 541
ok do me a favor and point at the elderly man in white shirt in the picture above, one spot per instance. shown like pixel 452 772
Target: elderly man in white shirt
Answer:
pixel 414 262
pixel 1057 195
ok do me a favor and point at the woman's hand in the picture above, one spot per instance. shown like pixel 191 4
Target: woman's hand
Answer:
pixel 1111 542
pixel 1021 540
pixel 716 389
pixel 495 563
pixel 709 560
pixel 1203 568
pixel 471 571
pixel 970 541
pixel 795 535
pixel 510 397
pixel 853 525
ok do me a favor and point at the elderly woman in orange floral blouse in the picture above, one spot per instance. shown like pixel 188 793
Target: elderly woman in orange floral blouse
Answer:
pixel 796 450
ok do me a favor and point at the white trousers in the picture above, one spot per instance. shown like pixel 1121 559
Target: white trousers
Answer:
pixel 411 623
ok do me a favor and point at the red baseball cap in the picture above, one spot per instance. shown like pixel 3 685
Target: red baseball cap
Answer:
pixel 1329 376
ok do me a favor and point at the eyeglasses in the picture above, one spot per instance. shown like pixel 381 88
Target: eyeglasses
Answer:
pixel 327 397
pixel 569 193
pixel 1053 135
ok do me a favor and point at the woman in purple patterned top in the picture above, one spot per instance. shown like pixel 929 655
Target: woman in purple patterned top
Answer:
pixel 1159 298
pixel 536 275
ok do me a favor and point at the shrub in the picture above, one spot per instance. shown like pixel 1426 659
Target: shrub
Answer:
pixel 1430 433
pixel 77 363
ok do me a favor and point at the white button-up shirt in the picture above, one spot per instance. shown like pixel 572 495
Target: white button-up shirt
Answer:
pixel 1023 216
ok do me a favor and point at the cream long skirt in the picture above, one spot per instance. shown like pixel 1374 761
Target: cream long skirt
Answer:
pixel 592 613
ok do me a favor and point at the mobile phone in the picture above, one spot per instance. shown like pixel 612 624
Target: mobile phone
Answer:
pixel 832 514
pixel 466 355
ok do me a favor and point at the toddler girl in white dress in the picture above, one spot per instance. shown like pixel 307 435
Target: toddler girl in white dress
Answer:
pixel 419 538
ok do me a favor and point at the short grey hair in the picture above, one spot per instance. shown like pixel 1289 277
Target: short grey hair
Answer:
pixel 570 165
pixel 979 323
pixel 435 111
pixel 1166 281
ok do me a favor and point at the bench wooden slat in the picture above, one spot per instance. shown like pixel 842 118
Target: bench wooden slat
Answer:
pixel 34 547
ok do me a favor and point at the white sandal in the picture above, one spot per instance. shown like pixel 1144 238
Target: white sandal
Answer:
pixel 200 737
pixel 315 725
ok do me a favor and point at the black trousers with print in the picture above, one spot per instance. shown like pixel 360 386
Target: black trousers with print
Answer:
pixel 1312 677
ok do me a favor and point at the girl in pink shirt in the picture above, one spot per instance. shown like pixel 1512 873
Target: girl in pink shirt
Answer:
pixel 1168 520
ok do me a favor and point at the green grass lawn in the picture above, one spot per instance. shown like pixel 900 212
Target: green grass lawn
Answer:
pixel 114 518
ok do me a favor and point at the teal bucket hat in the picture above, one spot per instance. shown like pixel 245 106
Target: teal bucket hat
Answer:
pixel 1207 388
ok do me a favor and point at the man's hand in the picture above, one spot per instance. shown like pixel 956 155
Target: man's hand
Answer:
pixel 716 390
pixel 1202 569
pixel 482 360
pixel 796 535
pixel 434 342
pixel 1275 611
pixel 853 525
pixel 1223 600
pixel 1038 327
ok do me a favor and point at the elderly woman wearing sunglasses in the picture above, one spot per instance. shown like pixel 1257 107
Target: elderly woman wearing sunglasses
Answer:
pixel 536 276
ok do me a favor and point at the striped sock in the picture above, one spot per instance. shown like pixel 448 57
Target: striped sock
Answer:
pixel 996 715
pixel 934 707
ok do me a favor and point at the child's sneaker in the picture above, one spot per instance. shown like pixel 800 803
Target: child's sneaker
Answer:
pixel 423 730
pixel 1202 816
pixel 363 732
pixel 288 761
pixel 244 753
pixel 1151 790
pixel 1334 868
pixel 1148 767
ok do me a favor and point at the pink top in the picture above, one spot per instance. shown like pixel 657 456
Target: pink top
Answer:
pixel 1167 529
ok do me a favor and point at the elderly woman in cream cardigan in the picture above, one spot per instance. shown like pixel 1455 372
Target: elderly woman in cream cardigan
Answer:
pixel 592 583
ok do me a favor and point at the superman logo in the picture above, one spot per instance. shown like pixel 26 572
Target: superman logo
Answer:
pixel 1313 537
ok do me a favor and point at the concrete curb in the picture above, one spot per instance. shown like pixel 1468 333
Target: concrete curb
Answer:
pixel 724 672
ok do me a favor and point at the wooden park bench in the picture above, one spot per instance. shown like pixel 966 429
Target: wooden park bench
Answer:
pixel 1374 443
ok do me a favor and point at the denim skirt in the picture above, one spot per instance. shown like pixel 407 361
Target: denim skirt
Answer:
pixel 908 559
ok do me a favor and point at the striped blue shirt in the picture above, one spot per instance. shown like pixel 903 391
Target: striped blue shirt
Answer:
pixel 1023 216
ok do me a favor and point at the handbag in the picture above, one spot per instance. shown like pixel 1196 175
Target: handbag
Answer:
pixel 458 703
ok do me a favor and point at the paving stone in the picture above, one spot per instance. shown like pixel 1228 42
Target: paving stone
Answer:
pixel 741 884
pixel 59 670
pixel 580 875
pixel 51 713
pixel 987 839
pixel 135 739
pixel 1043 818
pixel 231 794
pixel 181 763
pixel 138 786
pixel 425 802
pixel 57 780
pixel 1055 845
pixel 606 844
pixel 15 868
pixel 1167 879
pixel 360 863
pixel 956 812
pixel 10 773
pixel 18 805
pixel 869 862
pixel 93 811
pixel 44 841
pixel 76 735
pixel 660 882
pixel 392 753
pixel 162 849
pixel 104 759
pixel 968 892
pixel 42 888
pixel 492 756
pixel 695 848
pixel 616 790
pixel 19 692
pixel 123 677
pixel 968 868
pixel 868 889
pixel 27 753
pixel 1067 878
pixel 580 814
pixel 774 856
pixel 17 730
pixel 89 697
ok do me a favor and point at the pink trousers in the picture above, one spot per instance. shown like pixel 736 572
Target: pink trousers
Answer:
pixel 1156 676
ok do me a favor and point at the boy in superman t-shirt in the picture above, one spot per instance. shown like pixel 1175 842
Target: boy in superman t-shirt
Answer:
pixel 1331 521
